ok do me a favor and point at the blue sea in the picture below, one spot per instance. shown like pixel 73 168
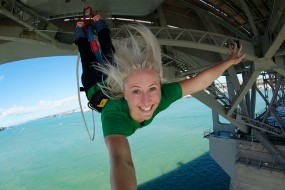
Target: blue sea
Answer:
pixel 56 153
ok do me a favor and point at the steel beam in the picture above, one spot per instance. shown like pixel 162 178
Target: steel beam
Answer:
pixel 29 19
pixel 276 44
pixel 239 97
pixel 249 17
pixel 217 20
pixel 190 38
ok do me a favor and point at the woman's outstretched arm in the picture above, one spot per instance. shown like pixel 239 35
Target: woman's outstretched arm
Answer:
pixel 122 175
pixel 206 77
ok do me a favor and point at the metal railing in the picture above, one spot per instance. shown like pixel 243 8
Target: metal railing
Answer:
pixel 208 132
pixel 260 125
pixel 249 156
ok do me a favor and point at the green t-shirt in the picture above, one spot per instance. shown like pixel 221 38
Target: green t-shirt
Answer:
pixel 116 118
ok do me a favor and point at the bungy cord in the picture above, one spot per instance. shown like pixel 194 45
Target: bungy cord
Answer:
pixel 80 105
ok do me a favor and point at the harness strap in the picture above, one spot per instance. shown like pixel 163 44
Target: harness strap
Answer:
pixel 89 32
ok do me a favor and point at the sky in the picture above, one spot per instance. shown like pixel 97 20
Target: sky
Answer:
pixel 38 87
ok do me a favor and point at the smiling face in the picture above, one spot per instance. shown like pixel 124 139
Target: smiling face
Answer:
pixel 142 92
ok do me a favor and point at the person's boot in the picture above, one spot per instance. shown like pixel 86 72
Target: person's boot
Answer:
pixel 79 31
pixel 99 23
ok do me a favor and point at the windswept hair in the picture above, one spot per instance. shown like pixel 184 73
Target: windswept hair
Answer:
pixel 140 52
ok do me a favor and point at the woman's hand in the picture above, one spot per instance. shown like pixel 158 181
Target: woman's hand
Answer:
pixel 235 55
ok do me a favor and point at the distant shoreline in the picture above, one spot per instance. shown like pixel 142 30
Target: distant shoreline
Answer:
pixel 47 116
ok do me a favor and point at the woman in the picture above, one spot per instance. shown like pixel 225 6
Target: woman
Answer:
pixel 136 95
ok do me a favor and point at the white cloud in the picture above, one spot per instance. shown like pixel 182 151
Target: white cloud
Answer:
pixel 1 77
pixel 44 106
pixel 20 114
pixel 15 110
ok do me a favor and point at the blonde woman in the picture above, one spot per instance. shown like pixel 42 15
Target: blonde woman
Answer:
pixel 136 94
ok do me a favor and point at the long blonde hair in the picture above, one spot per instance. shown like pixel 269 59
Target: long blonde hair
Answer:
pixel 140 52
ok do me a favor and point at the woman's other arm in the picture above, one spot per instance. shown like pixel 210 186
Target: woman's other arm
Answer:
pixel 206 77
pixel 122 173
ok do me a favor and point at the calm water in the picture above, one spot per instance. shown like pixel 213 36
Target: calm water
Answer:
pixel 56 153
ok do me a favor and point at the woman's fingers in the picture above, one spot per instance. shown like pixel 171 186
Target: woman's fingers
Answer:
pixel 235 51
pixel 235 47
pixel 231 50
pixel 235 54
pixel 239 50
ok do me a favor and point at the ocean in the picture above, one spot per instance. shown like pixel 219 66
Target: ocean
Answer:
pixel 56 153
